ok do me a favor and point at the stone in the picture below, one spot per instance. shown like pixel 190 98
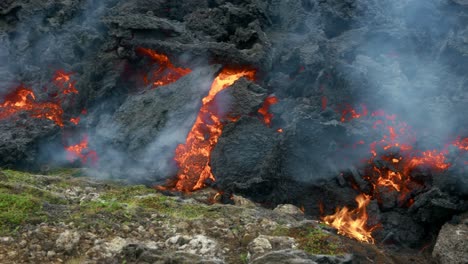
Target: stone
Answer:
pixel 452 244
pixel 289 209
pixel 263 244
pixel 67 241
pixel 298 256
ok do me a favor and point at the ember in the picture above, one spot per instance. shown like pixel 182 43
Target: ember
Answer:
pixel 350 113
pixel 269 101
pixel 462 144
pixel 193 157
pixel 75 121
pixel 166 72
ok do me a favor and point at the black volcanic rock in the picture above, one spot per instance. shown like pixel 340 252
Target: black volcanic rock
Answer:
pixel 20 139
pixel 141 136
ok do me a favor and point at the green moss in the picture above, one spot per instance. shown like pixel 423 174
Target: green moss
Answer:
pixel 16 209
pixel 127 194
pixel 93 207
pixel 311 240
pixel 20 177
pixel 73 172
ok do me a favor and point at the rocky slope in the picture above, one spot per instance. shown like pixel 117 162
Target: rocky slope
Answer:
pixel 65 217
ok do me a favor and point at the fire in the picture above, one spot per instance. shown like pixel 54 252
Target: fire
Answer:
pixel 64 82
pixel 24 99
pixel 353 223
pixel 269 101
pixel 81 151
pixel 166 73
pixel 193 157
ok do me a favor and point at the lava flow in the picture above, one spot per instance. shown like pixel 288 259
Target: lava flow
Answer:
pixel 267 116
pixel 193 157
pixel 64 82
pixel 353 223
pixel 166 72
pixel 391 167
pixel 23 99
pixel 81 151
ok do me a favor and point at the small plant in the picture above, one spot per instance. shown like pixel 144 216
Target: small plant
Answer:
pixel 311 240
pixel 244 257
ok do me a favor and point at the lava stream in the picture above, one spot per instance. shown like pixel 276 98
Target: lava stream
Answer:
pixel 81 151
pixel 23 99
pixel 64 82
pixel 166 72
pixel 267 116
pixel 193 157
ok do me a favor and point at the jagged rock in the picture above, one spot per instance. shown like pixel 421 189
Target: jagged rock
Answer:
pixel 263 244
pixel 289 209
pixel 244 202
pixel 67 241
pixel 452 243
pixel 166 114
pixel 297 256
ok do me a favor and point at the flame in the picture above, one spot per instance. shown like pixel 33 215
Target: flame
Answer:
pixel 193 157
pixel 23 99
pixel 269 101
pixel 81 151
pixel 166 73
pixel 353 223
pixel 64 82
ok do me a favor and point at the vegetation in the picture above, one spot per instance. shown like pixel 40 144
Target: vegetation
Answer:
pixel 311 239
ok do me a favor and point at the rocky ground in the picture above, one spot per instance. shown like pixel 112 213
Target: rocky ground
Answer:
pixel 65 217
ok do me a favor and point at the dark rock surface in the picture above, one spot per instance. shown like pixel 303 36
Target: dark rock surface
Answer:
pixel 406 57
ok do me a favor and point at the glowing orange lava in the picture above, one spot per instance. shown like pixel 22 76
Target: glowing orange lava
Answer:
pixel 353 223
pixel 193 157
pixel 350 113
pixel 462 144
pixel 23 99
pixel 269 101
pixel 166 72
pixel 75 120
pixel 81 151
pixel 64 82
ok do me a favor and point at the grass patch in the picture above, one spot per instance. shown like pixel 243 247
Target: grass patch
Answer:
pixel 311 240
pixel 17 209
pixel 18 177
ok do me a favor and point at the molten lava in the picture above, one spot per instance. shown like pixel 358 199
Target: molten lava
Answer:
pixel 75 120
pixel 350 113
pixel 353 223
pixel 269 101
pixel 64 82
pixel 23 99
pixel 81 151
pixel 193 157
pixel 391 168
pixel 166 72
pixel 462 144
